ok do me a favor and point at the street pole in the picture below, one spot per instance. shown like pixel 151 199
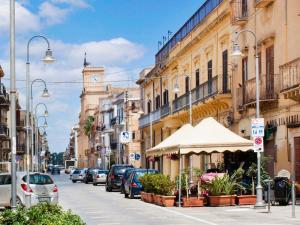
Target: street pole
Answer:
pixel 259 202
pixel 293 183
pixel 48 59
pixel 191 122
pixel 13 104
pixel 76 146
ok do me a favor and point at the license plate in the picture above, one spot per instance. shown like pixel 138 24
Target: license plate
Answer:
pixel 44 199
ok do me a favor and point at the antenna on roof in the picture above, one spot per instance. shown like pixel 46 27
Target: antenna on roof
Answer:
pixel 85 63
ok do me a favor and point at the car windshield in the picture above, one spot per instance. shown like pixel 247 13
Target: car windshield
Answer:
pixel 102 171
pixel 39 179
pixel 120 169
pixel 76 172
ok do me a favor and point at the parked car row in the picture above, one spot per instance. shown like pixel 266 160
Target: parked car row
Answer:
pixel 120 177
pixel 125 178
pixel 41 188
pixel 89 175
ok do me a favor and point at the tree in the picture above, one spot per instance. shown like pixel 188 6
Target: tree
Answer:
pixel 88 126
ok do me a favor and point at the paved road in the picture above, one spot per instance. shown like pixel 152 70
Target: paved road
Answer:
pixel 97 207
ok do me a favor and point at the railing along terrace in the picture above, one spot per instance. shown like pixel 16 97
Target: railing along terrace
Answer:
pixel 165 110
pixel 290 74
pixel 239 10
pixel 269 87
pixel 205 90
pixel 205 9
pixel 4 131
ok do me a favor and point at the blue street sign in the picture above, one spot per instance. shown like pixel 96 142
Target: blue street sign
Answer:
pixel 137 156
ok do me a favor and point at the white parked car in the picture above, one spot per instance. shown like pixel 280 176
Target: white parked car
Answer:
pixel 41 188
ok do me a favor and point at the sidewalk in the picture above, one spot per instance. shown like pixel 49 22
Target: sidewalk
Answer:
pixel 236 215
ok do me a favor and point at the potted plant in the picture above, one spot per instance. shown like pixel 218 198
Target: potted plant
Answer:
pixel 222 191
pixel 164 189
pixel 192 196
pixel 148 187
pixel 247 195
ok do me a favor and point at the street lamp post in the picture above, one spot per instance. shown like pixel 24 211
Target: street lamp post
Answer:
pixel 13 104
pixel 36 129
pixel 37 142
pixel 237 52
pixel 47 59
pixel 177 90
pixel 45 94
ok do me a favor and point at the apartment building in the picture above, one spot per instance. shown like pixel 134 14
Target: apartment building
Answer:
pixel 196 64
pixel 4 131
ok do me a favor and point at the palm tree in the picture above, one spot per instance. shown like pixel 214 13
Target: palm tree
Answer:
pixel 88 126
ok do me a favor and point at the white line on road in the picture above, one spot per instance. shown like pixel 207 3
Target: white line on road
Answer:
pixel 181 214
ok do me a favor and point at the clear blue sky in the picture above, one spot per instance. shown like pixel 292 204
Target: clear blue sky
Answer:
pixel 121 35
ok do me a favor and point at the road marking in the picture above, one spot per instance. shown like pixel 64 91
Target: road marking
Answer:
pixel 184 215
pixel 237 210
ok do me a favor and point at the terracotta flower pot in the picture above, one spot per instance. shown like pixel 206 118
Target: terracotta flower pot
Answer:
pixel 158 199
pixel 168 201
pixel 151 197
pixel 223 200
pixel 192 202
pixel 246 199
pixel 143 196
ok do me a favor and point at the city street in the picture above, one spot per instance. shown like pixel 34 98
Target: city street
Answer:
pixel 97 207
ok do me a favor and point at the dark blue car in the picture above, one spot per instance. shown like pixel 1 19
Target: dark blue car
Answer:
pixel 133 185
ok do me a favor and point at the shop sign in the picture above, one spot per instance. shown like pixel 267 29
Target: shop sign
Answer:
pixel 257 127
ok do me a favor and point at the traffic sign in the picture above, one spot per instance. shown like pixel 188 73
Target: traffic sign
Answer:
pixel 125 137
pixel 257 127
pixel 258 144
pixel 137 156
pixel 131 156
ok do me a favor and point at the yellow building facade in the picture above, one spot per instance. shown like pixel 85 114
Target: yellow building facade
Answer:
pixel 197 60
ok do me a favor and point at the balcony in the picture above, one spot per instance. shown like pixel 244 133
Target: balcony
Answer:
pixel 4 97
pixel 239 12
pixel 263 3
pixel 113 121
pixel 154 116
pixel 199 16
pixel 290 80
pixel 204 91
pixel 21 148
pixel 269 88
pixel 4 131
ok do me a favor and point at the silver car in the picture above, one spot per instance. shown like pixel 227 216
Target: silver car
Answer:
pixel 100 177
pixel 78 175
pixel 41 189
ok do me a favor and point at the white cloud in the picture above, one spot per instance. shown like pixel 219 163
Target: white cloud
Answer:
pixel 52 14
pixel 26 21
pixel 75 3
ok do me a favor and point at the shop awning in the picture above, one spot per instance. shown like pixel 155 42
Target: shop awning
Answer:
pixel 170 144
pixel 211 136
pixel 207 137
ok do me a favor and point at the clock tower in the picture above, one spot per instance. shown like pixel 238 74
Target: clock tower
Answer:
pixel 93 79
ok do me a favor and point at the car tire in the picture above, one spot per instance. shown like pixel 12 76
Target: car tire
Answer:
pixel 18 202
pixel 131 196
pixel 108 189
pixel 94 184
pixel 74 181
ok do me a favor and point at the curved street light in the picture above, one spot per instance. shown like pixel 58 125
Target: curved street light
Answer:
pixel 237 53
pixel 48 58
pixel 33 115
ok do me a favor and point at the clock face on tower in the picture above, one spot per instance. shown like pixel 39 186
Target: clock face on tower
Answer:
pixel 94 78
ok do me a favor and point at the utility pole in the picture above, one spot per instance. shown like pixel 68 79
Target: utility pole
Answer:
pixel 13 104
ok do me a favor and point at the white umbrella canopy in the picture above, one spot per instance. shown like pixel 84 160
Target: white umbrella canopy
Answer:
pixel 174 140
pixel 211 136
